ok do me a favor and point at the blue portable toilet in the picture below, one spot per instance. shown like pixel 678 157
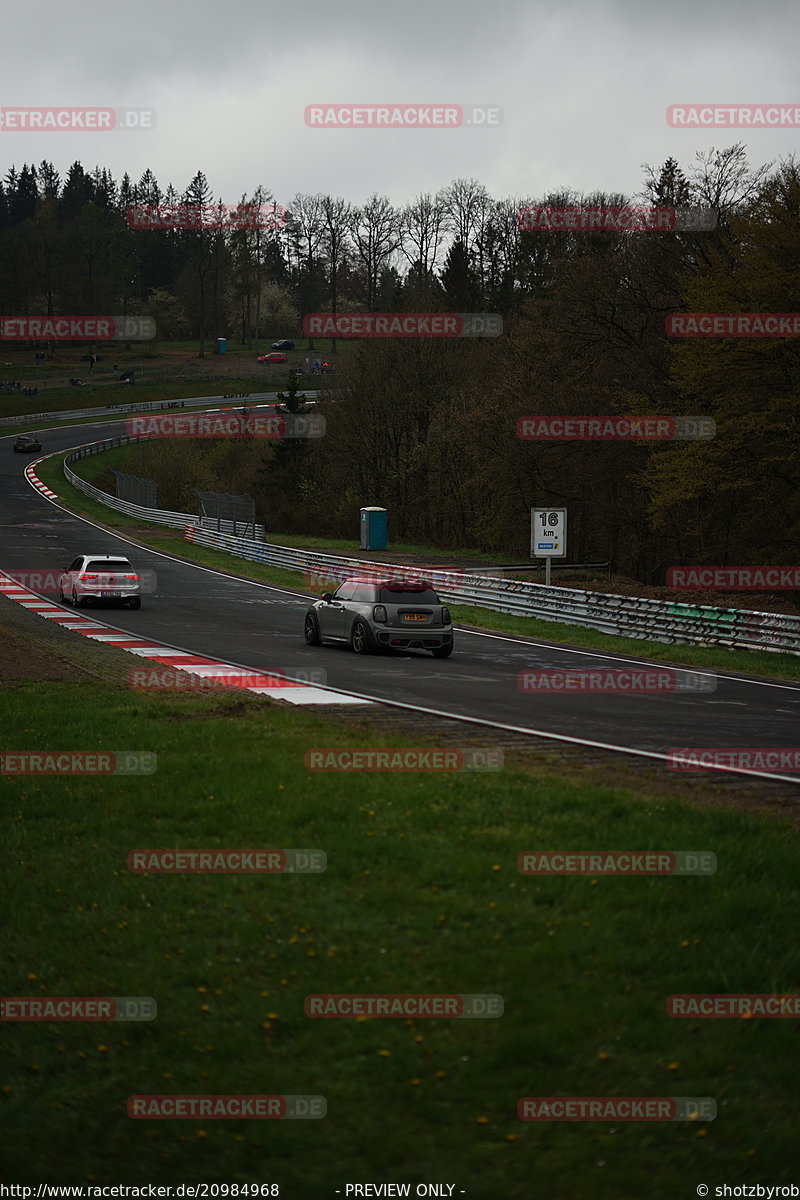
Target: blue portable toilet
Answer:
pixel 222 345
pixel 373 528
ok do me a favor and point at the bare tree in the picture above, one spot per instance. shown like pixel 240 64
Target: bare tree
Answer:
pixel 500 244
pixel 337 216
pixel 375 228
pixel 422 229
pixel 307 223
pixel 466 203
pixel 723 179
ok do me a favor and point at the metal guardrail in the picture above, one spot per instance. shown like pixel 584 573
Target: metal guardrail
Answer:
pixel 626 616
pixel 156 516
pixel 133 407
pixel 175 520
pixel 538 567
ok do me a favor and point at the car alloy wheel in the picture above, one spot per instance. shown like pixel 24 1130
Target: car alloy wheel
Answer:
pixel 361 639
pixel 311 630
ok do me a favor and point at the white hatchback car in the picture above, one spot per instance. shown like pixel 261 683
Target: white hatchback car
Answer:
pixel 100 577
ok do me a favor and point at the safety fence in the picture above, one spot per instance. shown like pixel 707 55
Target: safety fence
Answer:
pixel 156 516
pixel 627 616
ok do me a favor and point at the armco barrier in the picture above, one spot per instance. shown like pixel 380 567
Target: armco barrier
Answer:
pixel 112 409
pixel 626 616
pixel 157 516
pixel 144 406
pixel 629 616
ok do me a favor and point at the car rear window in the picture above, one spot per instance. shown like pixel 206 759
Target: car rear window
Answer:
pixel 110 564
pixel 390 596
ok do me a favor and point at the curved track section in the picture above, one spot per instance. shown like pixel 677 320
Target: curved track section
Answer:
pixel 258 627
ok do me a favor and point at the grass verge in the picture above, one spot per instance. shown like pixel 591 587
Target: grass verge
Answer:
pixel 421 894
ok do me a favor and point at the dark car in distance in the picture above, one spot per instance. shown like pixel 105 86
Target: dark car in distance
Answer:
pixel 27 445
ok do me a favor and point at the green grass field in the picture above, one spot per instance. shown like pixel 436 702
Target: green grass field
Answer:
pixel 168 371
pixel 421 894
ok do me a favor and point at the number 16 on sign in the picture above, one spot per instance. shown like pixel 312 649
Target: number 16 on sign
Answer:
pixel 548 535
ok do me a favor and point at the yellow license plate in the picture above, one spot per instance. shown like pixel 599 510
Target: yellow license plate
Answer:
pixel 415 617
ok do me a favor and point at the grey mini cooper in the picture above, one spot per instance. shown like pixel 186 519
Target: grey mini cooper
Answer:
pixel 370 614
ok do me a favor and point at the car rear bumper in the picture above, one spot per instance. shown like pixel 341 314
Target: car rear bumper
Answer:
pixel 119 593
pixel 402 639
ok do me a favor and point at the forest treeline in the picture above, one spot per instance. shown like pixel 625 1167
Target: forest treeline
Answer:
pixel 427 427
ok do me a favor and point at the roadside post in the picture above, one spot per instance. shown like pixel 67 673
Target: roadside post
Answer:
pixel 548 536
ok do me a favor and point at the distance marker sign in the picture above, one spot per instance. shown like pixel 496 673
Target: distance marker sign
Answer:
pixel 548 532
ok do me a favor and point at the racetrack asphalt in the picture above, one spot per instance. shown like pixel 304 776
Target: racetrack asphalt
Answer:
pixel 258 625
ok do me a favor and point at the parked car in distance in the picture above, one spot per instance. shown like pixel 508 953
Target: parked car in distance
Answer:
pixel 26 444
pixel 284 344
pixel 272 358
pixel 100 577
pixel 371 614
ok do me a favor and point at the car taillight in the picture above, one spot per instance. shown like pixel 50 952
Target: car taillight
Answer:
pixel 134 577
pixel 445 616
pixel 82 577
pixel 379 613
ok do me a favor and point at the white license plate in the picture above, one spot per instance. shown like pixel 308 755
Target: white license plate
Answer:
pixel 111 595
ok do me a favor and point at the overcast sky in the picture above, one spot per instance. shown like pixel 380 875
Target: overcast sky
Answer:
pixel 583 87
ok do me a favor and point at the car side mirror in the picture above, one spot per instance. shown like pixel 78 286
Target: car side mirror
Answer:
pixel 327 597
